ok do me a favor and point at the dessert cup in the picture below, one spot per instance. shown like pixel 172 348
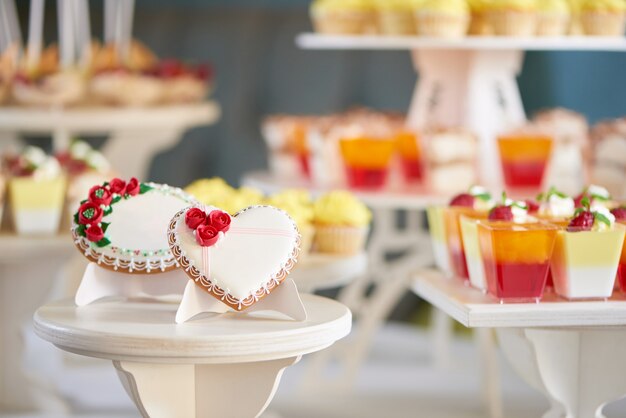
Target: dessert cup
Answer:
pixel 585 263
pixel 473 255
pixel 37 204
pixel 524 159
pixel 343 240
pixel 437 228
pixel 621 271
pixel 455 240
pixel 366 161
pixel 516 259
pixel 410 156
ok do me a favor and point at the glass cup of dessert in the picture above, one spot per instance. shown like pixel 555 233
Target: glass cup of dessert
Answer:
pixel 620 218
pixel 524 156
pixel 472 206
pixel 438 238
pixel 410 150
pixel 516 251
pixel 367 160
pixel 587 255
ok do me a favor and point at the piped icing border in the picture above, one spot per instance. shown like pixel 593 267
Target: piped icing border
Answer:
pixel 138 261
pixel 213 289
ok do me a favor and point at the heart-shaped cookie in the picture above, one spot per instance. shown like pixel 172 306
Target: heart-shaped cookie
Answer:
pixel 122 225
pixel 238 259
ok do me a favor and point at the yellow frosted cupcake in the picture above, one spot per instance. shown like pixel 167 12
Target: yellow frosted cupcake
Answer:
pixel 603 17
pixel 214 191
pixel 553 17
pixel 37 192
pixel 300 207
pixel 443 18
pixel 341 223
pixel 479 23
pixel 344 17
pixel 397 17
pixel 513 17
pixel 575 27
pixel 242 198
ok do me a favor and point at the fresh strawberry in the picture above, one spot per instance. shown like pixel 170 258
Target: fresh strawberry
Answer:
pixel 463 200
pixel 501 213
pixel 582 222
pixel 619 213
pixel 533 207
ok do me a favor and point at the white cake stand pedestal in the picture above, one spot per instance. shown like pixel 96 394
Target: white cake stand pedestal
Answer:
pixel 226 365
pixel 570 351
pixel 29 268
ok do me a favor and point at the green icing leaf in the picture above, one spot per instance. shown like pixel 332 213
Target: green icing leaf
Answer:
pixel 103 242
pixel 76 218
pixel 104 226
pixel 108 211
pixel 116 199
pixel 143 188
pixel 81 230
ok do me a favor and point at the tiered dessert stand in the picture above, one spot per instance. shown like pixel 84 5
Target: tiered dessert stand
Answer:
pixel 220 365
pixel 570 351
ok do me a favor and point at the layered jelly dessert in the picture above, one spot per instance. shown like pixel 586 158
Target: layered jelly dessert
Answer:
pixel 473 255
pixel 437 228
pixel 524 158
pixel 587 255
pixel 410 155
pixel 366 160
pixel 620 217
pixel 516 252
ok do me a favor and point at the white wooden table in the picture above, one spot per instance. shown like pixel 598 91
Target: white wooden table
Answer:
pixel 135 135
pixel 217 366
pixel 29 268
pixel 571 351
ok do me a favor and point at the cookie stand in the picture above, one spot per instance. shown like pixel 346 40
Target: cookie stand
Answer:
pixel 29 269
pixel 570 351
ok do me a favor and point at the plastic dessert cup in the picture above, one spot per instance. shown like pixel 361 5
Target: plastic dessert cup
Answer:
pixel 298 140
pixel 410 156
pixel 473 255
pixel 367 161
pixel 621 270
pixel 437 228
pixel 37 204
pixel 455 239
pixel 585 263
pixel 524 160
pixel 561 223
pixel 516 259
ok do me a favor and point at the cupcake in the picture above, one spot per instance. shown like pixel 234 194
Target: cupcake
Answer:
pixel 553 17
pixel 587 255
pixel 36 191
pixel 214 191
pixel 575 27
pixel 443 18
pixel 298 204
pixel 397 17
pixel 603 17
pixel 513 17
pixel 344 17
pixel 242 198
pixel 479 23
pixel 341 223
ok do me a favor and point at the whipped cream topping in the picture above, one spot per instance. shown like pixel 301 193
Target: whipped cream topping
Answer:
pixel 483 201
pixel 79 150
pixel 48 170
pixel 519 210
pixel 97 161
pixel 598 192
pixel 557 206
pixel 598 225
pixel 34 156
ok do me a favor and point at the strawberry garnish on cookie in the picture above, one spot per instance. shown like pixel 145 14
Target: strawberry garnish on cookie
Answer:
pixel 463 200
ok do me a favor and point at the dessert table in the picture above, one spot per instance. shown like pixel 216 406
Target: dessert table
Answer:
pixel 29 269
pixel 215 365
pixel 570 351
pixel 135 135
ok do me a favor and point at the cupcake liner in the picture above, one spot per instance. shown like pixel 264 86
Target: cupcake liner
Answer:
pixel 344 240
pixel 442 25
pixel 307 234
pixel 603 23
pixel 344 22
pixel 552 24
pixel 513 23
pixel 480 24
pixel 394 22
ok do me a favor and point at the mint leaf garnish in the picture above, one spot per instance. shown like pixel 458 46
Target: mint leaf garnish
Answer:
pixel 600 217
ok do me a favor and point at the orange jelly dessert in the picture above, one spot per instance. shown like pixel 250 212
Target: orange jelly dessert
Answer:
pixel 516 258
pixel 455 239
pixel 410 155
pixel 297 141
pixel 367 160
pixel 524 159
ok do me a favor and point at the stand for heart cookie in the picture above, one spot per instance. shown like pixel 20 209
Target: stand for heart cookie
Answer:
pixel 99 283
pixel 222 366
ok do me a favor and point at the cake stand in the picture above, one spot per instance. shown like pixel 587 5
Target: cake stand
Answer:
pixel 135 135
pixel 29 268
pixel 326 271
pixel 570 351
pixel 214 366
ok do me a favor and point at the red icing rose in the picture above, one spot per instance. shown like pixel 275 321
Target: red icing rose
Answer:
pixel 94 233
pixel 89 213
pixel 100 196
pixel 132 188
pixel 195 217
pixel 206 235
pixel 117 186
pixel 219 220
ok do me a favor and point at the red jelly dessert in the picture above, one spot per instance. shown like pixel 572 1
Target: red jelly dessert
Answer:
pixel 367 161
pixel 524 159
pixel 410 155
pixel 456 250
